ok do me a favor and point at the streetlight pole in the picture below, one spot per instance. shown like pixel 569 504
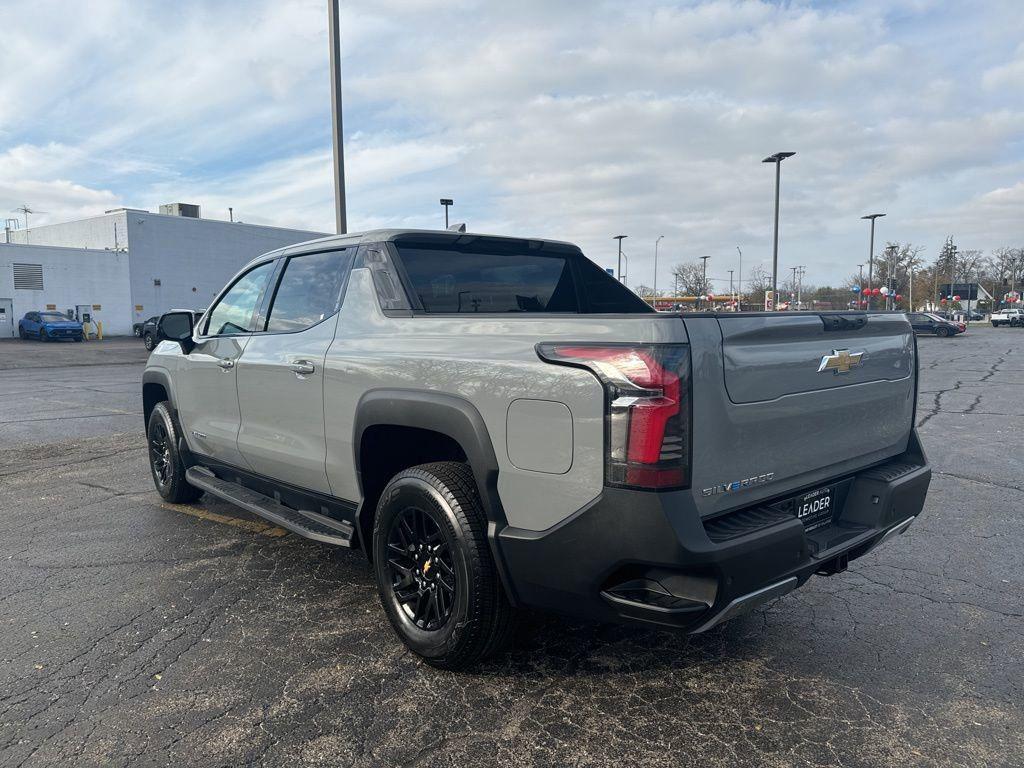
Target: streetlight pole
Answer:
pixel 654 288
pixel 871 251
pixel 732 293
pixel 704 277
pixel 777 158
pixel 739 283
pixel 334 37
pixel 446 201
pixel 620 238
pixel 800 287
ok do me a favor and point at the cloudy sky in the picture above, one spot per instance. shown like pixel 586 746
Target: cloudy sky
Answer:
pixel 573 120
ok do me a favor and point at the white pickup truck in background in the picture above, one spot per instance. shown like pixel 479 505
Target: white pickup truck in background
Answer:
pixel 1008 317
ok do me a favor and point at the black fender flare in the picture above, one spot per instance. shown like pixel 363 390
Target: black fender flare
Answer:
pixel 162 377
pixel 449 415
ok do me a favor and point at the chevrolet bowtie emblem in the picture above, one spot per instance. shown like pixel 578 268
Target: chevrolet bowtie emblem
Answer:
pixel 840 361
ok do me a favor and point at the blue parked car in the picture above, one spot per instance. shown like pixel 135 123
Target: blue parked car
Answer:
pixel 49 326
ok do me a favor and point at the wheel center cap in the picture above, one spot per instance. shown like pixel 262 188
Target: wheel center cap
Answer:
pixel 427 566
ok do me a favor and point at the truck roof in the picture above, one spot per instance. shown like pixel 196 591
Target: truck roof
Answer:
pixel 382 235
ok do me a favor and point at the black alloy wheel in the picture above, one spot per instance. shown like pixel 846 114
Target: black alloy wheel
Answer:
pixel 160 454
pixel 421 567
pixel 942 332
pixel 435 573
pixel 149 342
pixel 165 461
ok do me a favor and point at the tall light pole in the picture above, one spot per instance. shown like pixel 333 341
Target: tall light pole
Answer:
pixel 739 283
pixel 891 252
pixel 620 238
pixel 334 37
pixel 871 251
pixel 777 158
pixel 446 201
pixel 732 293
pixel 704 277
pixel 655 286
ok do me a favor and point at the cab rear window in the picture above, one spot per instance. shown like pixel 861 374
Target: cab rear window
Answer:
pixel 480 275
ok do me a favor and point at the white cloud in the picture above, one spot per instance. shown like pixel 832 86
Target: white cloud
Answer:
pixel 575 119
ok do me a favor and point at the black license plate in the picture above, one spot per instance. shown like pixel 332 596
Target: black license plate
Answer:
pixel 815 509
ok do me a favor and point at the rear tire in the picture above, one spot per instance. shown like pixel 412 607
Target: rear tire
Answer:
pixel 995 324
pixel 165 462
pixel 435 574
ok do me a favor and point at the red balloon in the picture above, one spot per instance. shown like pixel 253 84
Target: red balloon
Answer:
pixel 899 297
pixel 877 292
pixel 956 298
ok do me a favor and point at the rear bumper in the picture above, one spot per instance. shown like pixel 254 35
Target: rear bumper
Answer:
pixel 649 557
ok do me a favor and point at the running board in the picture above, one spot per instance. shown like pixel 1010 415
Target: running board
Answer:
pixel 312 525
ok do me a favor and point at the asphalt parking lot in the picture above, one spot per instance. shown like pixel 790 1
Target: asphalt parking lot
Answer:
pixel 136 632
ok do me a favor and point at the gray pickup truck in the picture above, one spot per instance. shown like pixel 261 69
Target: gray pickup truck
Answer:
pixel 497 423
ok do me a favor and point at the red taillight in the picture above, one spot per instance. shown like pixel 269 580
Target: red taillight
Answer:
pixel 647 414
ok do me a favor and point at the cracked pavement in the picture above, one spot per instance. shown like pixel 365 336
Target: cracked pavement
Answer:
pixel 134 632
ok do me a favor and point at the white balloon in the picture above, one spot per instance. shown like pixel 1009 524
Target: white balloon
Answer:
pixel 884 290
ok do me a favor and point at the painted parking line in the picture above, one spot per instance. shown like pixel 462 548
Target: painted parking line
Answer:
pixel 253 526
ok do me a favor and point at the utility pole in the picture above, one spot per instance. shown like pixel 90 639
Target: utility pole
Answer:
pixel 860 282
pixel 620 238
pixel 655 286
pixel 334 38
pixel 732 293
pixel 777 158
pixel 871 253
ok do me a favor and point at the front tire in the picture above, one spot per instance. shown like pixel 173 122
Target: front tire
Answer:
pixel 435 574
pixel 42 336
pixel 995 324
pixel 21 334
pixel 942 332
pixel 149 342
pixel 165 462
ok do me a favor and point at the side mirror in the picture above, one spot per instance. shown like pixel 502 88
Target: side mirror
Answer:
pixel 177 327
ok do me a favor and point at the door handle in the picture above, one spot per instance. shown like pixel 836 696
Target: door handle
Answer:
pixel 226 364
pixel 302 367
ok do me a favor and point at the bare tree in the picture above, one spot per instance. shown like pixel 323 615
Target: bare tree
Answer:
pixel 757 281
pixel 690 279
pixel 645 291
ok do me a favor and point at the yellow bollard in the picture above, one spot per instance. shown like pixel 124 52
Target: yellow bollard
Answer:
pixel 99 330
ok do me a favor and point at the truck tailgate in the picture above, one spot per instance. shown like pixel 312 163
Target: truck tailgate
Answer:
pixel 806 398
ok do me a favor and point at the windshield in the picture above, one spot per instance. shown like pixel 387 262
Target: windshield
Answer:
pixel 51 317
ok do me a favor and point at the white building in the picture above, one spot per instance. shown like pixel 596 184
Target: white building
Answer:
pixel 168 261
pixel 38 277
